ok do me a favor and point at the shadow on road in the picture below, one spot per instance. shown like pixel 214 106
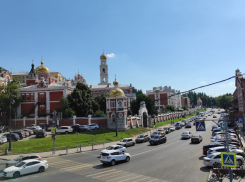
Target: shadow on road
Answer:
pixel 205 169
pixel 201 158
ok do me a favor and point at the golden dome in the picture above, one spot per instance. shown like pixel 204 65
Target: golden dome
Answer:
pixel 115 82
pixel 42 69
pixel 103 56
pixel 116 92
pixel 199 100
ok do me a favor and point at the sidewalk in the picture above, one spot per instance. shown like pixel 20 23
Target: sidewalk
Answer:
pixel 74 150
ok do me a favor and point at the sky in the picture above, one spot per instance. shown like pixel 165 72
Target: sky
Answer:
pixel 182 44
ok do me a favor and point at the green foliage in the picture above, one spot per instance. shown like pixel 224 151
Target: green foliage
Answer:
pixel 99 113
pixel 185 107
pixel 224 101
pixel 101 100
pixel 138 92
pixel 130 112
pixel 135 104
pixel 65 108
pixel 170 108
pixel 69 113
pixel 95 106
pixel 81 100
pixel 10 89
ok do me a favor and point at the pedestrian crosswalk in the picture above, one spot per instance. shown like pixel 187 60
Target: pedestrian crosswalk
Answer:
pixel 98 172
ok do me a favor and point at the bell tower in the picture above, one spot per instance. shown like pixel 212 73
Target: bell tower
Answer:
pixel 103 70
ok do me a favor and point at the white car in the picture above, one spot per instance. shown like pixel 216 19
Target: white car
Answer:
pixel 114 147
pixel 94 126
pixel 64 129
pixel 25 167
pixel 3 139
pixel 218 149
pixel 126 142
pixel 186 134
pixel 113 156
pixel 215 158
pixel 172 128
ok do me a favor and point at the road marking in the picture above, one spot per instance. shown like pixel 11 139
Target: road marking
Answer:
pixel 75 168
pixel 99 173
pixel 118 178
pixel 145 178
pixel 105 175
pixel 129 179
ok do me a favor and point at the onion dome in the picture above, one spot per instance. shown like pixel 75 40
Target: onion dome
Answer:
pixel 103 56
pixel 115 82
pixel 116 92
pixel 42 69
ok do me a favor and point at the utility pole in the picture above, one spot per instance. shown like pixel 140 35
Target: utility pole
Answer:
pixel 227 145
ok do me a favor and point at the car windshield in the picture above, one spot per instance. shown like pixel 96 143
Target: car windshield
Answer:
pixel 18 158
pixel 185 133
pixel 156 137
pixel 165 128
pixel 124 140
pixel 105 154
pixel 20 164
pixel 110 148
pixel 210 156
pixel 155 132
pixel 140 136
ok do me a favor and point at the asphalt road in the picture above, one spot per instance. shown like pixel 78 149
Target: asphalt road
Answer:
pixel 176 160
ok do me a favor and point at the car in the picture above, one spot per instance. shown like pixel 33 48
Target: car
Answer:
pixel 167 129
pixel 177 126
pixel 4 129
pixel 64 129
pixel 22 158
pixel 43 126
pixel 14 137
pixel 84 128
pixel 182 123
pixel 206 147
pixel 157 139
pixel 234 143
pixel 231 131
pixel 34 128
pixel 29 131
pixel 172 128
pixel 41 133
pixel 3 139
pixel 20 133
pixel 155 133
pixel 50 127
pixel 114 156
pixel 188 125
pixel 76 128
pixel 126 142
pixel 214 116
pixel 196 139
pixel 186 135
pixel 218 149
pixel 214 127
pixel 215 158
pixel 94 126
pixel 25 167
pixel 142 138
pixel 162 131
pixel 114 147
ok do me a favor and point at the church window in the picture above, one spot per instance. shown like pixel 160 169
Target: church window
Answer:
pixel 103 70
pixel 103 79
pixel 112 103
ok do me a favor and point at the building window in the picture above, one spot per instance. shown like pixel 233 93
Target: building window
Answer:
pixel 27 97
pixel 23 97
pixel 32 97
pixel 112 103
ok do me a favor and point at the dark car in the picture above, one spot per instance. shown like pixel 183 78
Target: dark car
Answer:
pixel 196 139
pixel 155 133
pixel 188 125
pixel 43 126
pixel 4 129
pixel 21 134
pixel 177 126
pixel 22 158
pixel 206 147
pixel 167 129
pixel 14 136
pixel 76 128
pixel 142 138
pixel 41 133
pixel 29 131
pixel 157 139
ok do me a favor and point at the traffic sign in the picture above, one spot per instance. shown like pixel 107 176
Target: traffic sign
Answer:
pixel 228 159
pixel 240 120
pixel 222 125
pixel 200 126
pixel 53 130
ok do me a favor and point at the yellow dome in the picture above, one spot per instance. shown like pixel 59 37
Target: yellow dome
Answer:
pixel 115 82
pixel 116 92
pixel 199 100
pixel 103 56
pixel 42 69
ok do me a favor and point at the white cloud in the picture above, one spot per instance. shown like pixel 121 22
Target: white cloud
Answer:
pixel 203 83
pixel 110 55
pixel 231 84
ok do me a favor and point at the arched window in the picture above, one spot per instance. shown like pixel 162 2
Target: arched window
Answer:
pixel 103 71
pixel 103 79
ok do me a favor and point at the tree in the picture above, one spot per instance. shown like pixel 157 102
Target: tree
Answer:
pixel 81 100
pixel 10 89
pixel 99 113
pixel 184 107
pixel 150 105
pixel 65 108
pixel 101 100
pixel 170 108
pixel 138 92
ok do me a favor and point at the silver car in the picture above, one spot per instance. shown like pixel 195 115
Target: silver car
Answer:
pixel 126 142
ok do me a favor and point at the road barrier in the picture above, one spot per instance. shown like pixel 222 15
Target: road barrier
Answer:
pixel 64 150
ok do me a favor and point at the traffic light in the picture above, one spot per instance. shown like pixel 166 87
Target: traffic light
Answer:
pixel 53 136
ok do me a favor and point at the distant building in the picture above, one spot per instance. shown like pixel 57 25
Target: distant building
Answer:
pixel 78 78
pixel 5 77
pixel 104 87
pixel 186 101
pixel 163 96
pixel 20 77
pixel 199 102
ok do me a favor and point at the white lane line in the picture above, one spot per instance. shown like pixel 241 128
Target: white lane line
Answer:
pixel 112 176
pixel 119 178
pixel 129 179
pixel 99 173
pixel 100 176
pixel 76 168
pixel 145 178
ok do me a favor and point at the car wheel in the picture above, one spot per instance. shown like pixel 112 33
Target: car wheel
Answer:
pixel 41 169
pixel 240 162
pixel 133 144
pixel 66 132
pixel 113 162
pixel 127 159
pixel 16 174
